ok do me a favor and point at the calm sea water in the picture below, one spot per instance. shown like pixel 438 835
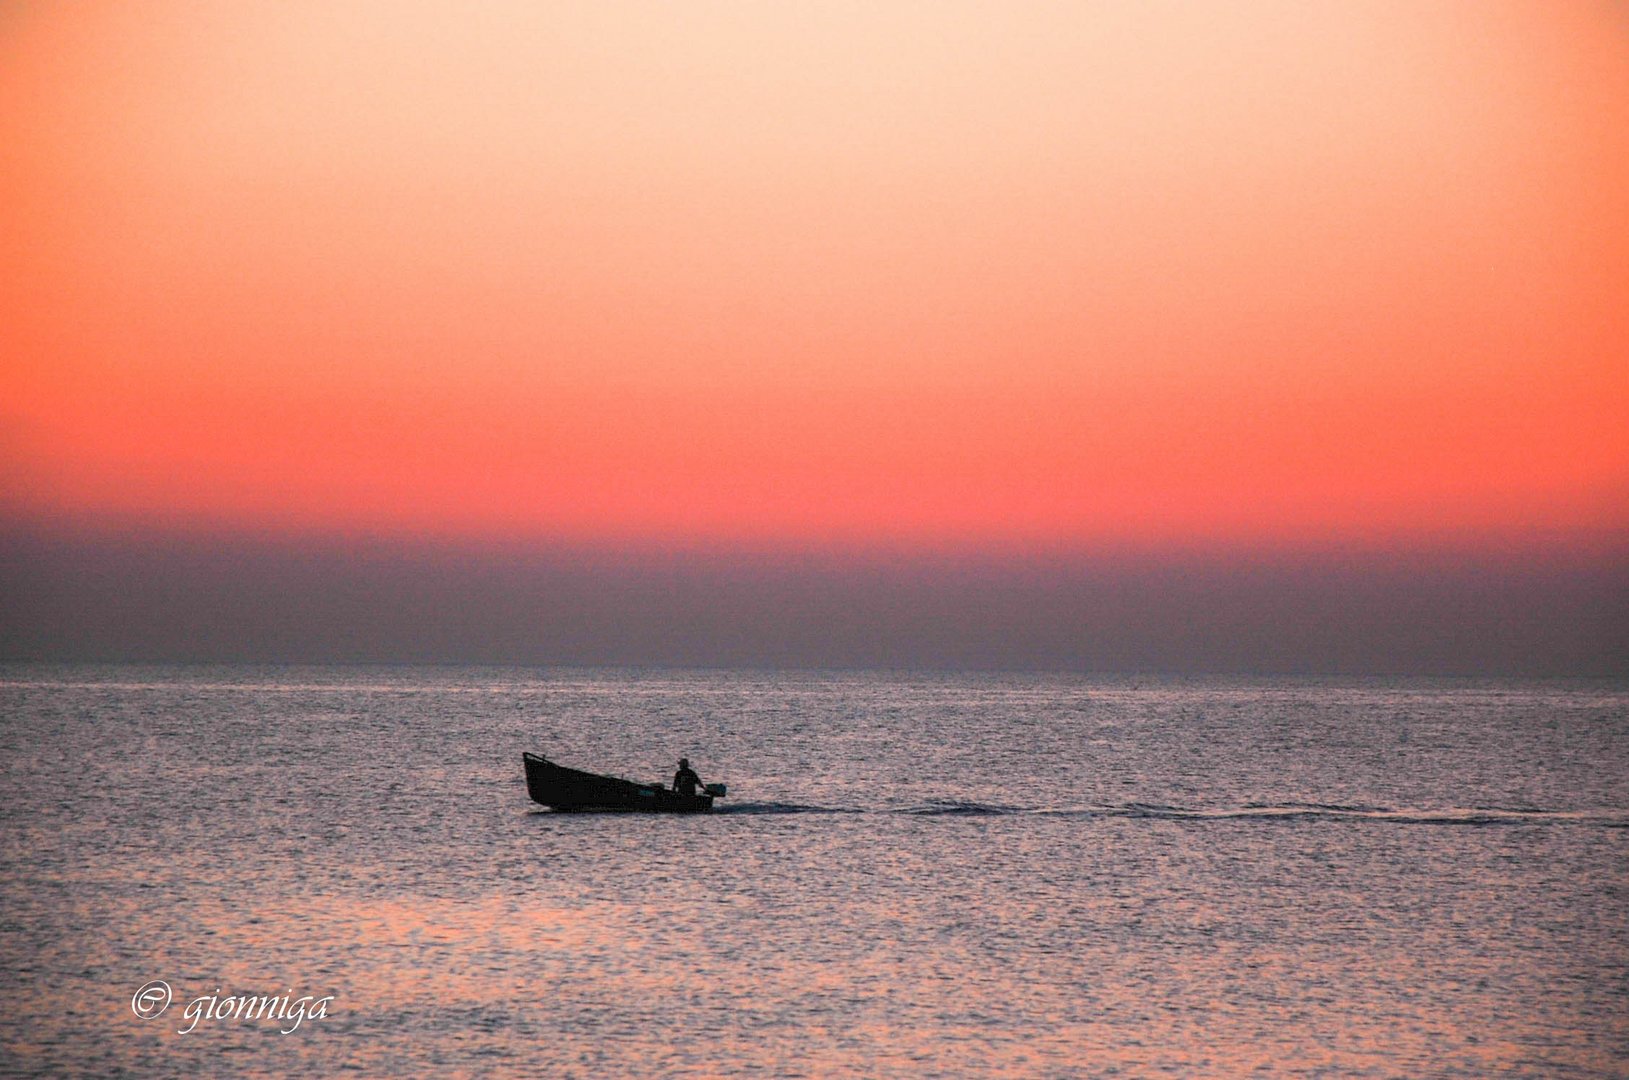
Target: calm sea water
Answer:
pixel 913 876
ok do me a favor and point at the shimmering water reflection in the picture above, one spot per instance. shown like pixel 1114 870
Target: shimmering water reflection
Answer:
pixel 915 876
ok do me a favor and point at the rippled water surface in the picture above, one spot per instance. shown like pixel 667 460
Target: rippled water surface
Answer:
pixel 913 875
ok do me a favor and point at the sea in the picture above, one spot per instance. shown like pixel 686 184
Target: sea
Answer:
pixel 331 871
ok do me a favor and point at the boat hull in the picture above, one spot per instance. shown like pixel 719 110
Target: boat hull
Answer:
pixel 561 788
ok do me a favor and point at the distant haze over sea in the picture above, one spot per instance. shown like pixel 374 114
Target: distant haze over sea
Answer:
pixel 150 594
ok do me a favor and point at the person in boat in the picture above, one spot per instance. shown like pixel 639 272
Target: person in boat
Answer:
pixel 685 781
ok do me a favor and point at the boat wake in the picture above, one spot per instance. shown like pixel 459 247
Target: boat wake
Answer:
pixel 1293 811
pixel 782 808
pixel 1265 812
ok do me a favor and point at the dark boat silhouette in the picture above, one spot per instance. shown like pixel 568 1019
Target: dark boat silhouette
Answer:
pixel 572 789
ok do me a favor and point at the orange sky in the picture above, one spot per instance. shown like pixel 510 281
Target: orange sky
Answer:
pixel 928 272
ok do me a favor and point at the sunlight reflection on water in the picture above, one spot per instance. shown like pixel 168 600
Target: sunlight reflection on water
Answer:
pixel 921 876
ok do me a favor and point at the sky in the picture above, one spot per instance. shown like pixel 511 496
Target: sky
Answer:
pixel 1121 288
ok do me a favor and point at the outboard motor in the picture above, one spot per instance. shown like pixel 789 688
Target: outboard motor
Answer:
pixel 715 790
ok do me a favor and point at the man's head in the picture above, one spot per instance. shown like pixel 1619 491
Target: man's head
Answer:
pixel 684 763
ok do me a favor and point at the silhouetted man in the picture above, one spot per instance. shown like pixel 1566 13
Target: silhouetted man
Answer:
pixel 685 781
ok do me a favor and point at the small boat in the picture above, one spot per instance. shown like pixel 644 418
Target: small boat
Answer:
pixel 572 789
